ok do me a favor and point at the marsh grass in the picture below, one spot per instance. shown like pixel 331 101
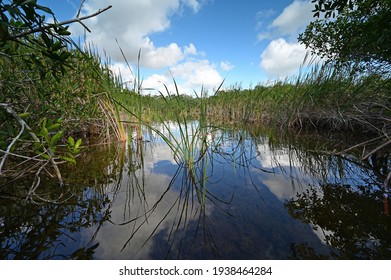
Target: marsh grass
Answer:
pixel 323 98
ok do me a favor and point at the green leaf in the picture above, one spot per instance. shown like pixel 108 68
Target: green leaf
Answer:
pixel 24 115
pixel 56 46
pixel 37 146
pixel 46 39
pixel 45 133
pixel 69 159
pixel 78 143
pixel 63 31
pixel 45 9
pixel 53 126
pixel 71 141
pixel 60 120
pixel 45 156
pixel 28 2
pixel 44 121
pixel 55 138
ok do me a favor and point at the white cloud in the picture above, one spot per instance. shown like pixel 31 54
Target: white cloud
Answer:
pixel 189 76
pixel 132 23
pixel 190 50
pixel 281 58
pixel 294 17
pixel 284 55
pixel 226 66
pixel 292 20
pixel 153 57
pixel 155 83
pixel 197 74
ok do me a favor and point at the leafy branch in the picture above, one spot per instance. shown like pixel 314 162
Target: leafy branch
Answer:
pixel 59 24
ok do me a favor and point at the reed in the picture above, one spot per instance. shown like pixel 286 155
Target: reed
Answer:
pixel 323 98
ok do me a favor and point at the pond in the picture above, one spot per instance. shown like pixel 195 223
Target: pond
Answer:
pixel 191 193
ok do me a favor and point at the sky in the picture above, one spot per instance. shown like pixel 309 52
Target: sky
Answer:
pixel 199 43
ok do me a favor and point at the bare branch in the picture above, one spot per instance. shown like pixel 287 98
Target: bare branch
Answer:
pixel 7 152
pixel 37 181
pixel 49 26
pixel 81 5
pixel 377 149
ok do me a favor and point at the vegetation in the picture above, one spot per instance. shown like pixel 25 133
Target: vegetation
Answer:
pixel 326 98
pixel 56 99
pixel 361 230
pixel 357 32
pixel 53 94
pixel 47 87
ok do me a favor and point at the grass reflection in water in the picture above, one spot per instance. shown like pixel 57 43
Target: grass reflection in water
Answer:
pixel 234 195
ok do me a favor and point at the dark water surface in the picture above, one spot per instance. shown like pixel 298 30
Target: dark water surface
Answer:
pixel 242 196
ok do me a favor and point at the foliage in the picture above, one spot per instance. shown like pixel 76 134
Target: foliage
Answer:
pixel 23 24
pixel 351 218
pixel 326 97
pixel 357 32
pixel 331 7
pixel 50 134
pixel 50 83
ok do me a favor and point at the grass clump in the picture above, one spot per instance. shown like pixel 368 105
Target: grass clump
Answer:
pixel 325 98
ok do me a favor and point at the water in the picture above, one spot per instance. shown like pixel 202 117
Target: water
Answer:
pixel 241 195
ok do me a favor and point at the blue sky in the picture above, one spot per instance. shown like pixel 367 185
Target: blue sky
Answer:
pixel 199 42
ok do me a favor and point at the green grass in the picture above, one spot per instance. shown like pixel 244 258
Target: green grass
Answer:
pixel 324 98
pixel 91 100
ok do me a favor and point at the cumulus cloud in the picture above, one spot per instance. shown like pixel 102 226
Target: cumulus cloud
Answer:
pixel 284 55
pixel 281 58
pixel 198 74
pixel 155 83
pixel 131 23
pixel 293 19
pixel 189 76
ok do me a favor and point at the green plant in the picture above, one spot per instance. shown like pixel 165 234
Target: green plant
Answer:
pixel 352 32
pixel 48 147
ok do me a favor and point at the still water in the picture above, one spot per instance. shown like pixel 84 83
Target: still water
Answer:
pixel 212 194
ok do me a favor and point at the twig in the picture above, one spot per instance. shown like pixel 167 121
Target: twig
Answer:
pixel 37 181
pixel 7 152
pixel 81 5
pixel 35 158
pixel 359 144
pixel 377 149
pixel 49 26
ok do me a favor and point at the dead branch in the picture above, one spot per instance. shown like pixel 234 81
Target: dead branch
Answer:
pixel 7 152
pixel 36 182
pixel 359 145
pixel 376 149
